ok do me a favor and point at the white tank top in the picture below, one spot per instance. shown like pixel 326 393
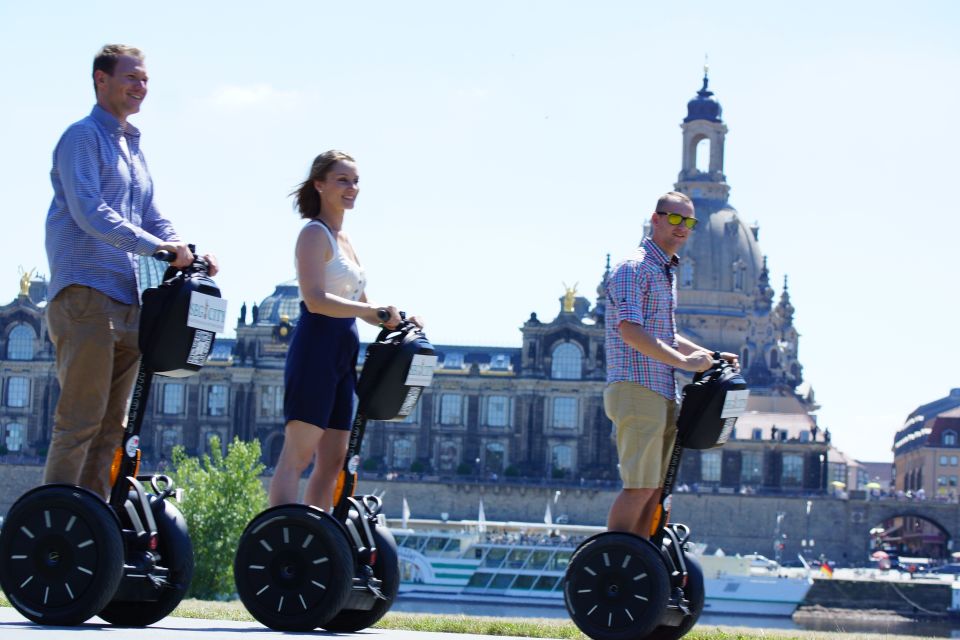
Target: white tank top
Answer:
pixel 342 276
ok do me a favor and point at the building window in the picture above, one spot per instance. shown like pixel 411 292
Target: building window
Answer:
pixel 451 408
pixel 751 467
pixel 567 362
pixel 15 433
pixel 739 271
pixel 402 456
pixel 500 362
pixel 792 470
pixel 561 456
pixel 172 399
pixel 208 441
pixel 756 434
pixel 953 461
pixel 18 392
pixel 949 438
pixel 774 359
pixel 453 361
pixel 686 273
pixel 449 456
pixel 943 461
pixel 493 457
pixel 804 436
pixel 20 343
pixel 497 411
pixel 169 438
pixel 271 401
pixel 710 466
pixel 217 400
pixel 565 413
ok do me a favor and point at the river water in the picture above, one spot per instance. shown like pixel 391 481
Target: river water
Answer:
pixel 896 626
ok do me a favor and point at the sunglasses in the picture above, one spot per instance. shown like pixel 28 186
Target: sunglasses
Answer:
pixel 676 218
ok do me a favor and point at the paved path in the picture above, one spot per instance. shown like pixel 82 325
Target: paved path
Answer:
pixel 13 626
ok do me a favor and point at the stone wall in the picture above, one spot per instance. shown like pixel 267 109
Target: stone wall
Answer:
pixel 735 523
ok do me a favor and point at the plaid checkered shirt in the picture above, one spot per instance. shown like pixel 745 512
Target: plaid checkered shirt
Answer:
pixel 643 290
pixel 102 215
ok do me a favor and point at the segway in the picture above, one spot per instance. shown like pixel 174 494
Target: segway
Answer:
pixel 66 555
pixel 619 586
pixel 299 567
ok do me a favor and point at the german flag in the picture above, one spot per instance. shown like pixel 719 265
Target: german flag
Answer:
pixel 826 570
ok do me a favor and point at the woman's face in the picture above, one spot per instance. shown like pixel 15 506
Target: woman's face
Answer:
pixel 339 188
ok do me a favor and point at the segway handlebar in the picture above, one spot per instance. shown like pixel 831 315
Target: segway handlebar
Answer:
pixel 199 263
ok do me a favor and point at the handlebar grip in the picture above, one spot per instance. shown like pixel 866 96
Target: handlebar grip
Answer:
pixel 383 315
pixel 165 256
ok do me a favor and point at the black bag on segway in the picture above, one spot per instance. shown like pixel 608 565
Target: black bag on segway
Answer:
pixel 178 322
pixel 398 365
pixel 711 405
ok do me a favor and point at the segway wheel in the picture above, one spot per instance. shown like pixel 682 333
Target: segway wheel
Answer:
pixel 61 555
pixel 176 555
pixel 294 568
pixel 695 593
pixel 616 587
pixel 387 570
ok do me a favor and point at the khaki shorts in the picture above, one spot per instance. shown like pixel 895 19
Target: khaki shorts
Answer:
pixel 646 428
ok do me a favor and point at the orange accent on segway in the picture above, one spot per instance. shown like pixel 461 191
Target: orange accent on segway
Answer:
pixel 115 465
pixel 341 482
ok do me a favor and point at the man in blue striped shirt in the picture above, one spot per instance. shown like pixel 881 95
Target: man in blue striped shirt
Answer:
pixel 102 218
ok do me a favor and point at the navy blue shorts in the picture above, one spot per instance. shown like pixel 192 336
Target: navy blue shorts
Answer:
pixel 321 371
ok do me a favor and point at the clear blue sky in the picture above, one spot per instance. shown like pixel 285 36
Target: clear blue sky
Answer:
pixel 507 147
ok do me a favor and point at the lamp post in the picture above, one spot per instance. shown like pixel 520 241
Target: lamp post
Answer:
pixel 807 542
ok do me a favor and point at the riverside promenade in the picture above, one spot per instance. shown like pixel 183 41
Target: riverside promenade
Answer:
pixel 13 626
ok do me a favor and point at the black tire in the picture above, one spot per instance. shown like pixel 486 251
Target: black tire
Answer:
pixel 616 587
pixel 176 554
pixel 387 570
pixel 61 555
pixel 695 594
pixel 294 568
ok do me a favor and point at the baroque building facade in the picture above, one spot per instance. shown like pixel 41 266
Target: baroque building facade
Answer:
pixel 531 412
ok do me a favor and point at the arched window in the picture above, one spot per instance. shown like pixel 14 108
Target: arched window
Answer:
pixel 949 438
pixel 703 155
pixel 402 454
pixel 562 457
pixel 493 457
pixel 686 273
pixel 449 456
pixel 15 434
pixel 567 362
pixel 20 343
pixel 745 359
pixel 774 359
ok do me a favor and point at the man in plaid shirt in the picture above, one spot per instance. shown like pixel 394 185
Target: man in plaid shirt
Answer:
pixel 643 349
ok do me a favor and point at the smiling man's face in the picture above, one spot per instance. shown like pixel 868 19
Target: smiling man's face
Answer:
pixel 122 92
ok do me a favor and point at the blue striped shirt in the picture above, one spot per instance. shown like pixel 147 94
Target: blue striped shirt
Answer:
pixel 102 215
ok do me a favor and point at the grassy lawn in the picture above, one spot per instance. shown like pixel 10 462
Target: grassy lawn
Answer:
pixel 523 627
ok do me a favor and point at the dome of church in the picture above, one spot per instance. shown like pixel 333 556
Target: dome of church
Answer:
pixel 284 301
pixel 720 263
pixel 704 106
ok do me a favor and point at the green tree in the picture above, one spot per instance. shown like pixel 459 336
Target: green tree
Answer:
pixel 221 495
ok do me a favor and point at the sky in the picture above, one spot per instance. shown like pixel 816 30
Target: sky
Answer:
pixel 506 147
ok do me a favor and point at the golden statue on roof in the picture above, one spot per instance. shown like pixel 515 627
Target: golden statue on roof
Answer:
pixel 25 277
pixel 570 294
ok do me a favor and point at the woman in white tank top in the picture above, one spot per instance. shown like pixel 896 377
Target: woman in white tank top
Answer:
pixel 320 373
